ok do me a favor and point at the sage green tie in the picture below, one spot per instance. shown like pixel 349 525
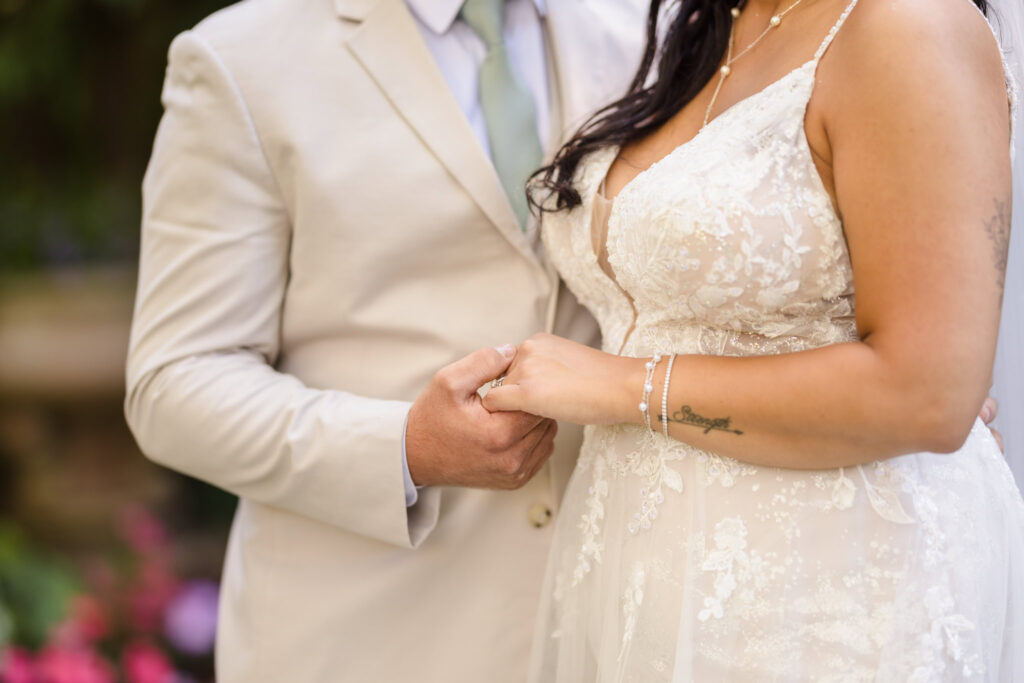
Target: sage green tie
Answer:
pixel 507 106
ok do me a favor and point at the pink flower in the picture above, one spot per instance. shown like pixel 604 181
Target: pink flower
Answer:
pixel 91 617
pixel 154 589
pixel 143 532
pixel 100 576
pixel 144 663
pixel 86 624
pixel 72 665
pixel 16 666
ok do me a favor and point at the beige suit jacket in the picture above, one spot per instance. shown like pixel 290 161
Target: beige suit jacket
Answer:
pixel 321 233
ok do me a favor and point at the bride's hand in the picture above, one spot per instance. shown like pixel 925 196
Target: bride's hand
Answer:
pixel 560 379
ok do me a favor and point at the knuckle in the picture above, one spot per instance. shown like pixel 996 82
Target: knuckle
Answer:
pixel 491 442
pixel 504 438
pixel 445 380
pixel 497 440
pixel 511 466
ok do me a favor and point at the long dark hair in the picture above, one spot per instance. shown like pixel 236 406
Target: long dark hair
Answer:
pixel 694 43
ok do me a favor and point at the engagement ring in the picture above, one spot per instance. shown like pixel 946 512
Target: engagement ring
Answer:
pixel 496 382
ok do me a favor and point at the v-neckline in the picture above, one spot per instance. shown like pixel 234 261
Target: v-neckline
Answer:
pixel 601 187
pixel 595 250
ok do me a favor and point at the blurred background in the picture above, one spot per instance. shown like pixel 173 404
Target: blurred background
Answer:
pixel 108 564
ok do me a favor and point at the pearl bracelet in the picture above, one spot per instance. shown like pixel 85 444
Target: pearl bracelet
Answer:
pixel 648 388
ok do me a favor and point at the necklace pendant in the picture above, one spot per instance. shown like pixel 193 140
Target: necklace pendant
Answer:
pixel 725 70
pixel 775 21
pixel 735 11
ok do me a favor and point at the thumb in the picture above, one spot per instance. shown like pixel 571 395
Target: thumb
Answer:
pixel 467 375
pixel 507 397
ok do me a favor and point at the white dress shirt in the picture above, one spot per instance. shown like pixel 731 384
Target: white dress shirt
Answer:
pixel 459 52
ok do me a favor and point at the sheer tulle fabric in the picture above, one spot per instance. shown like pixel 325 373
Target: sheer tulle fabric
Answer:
pixel 674 564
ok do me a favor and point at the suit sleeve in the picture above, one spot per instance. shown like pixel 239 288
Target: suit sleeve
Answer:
pixel 203 396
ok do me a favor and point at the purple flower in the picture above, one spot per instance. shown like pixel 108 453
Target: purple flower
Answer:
pixel 190 622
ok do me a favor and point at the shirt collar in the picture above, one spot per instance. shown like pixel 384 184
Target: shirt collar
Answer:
pixel 439 15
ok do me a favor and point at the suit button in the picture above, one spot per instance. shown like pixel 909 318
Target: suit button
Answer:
pixel 539 515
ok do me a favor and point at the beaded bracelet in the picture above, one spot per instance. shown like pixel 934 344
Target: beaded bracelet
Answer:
pixel 648 388
pixel 664 396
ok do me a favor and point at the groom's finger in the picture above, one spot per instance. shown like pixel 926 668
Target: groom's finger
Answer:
pixel 999 438
pixel 463 377
pixel 542 450
pixel 529 455
pixel 513 422
pixel 989 410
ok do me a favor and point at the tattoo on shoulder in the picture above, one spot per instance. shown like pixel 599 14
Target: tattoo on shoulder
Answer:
pixel 998 229
pixel 686 416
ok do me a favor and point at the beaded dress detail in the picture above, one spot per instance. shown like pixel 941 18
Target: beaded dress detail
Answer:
pixel 675 564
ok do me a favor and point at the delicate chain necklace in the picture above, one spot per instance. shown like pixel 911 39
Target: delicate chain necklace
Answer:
pixel 726 70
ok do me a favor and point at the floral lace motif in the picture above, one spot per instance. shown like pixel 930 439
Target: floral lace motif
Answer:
pixel 725 571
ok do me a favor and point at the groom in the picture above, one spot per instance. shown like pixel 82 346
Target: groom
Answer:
pixel 333 211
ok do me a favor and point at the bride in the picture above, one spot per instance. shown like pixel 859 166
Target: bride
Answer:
pixel 778 483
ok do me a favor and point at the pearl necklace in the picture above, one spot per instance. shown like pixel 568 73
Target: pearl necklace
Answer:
pixel 726 70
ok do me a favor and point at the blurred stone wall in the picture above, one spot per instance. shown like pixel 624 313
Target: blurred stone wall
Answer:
pixel 68 463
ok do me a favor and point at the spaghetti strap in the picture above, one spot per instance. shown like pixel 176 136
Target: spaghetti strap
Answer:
pixel 835 29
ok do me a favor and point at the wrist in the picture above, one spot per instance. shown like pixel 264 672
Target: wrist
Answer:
pixel 630 391
pixel 422 470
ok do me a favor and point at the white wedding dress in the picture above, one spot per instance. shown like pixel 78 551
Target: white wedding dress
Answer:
pixel 671 563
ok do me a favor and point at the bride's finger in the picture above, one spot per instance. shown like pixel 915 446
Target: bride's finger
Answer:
pixel 504 398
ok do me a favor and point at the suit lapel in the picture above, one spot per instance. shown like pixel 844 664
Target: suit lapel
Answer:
pixel 389 46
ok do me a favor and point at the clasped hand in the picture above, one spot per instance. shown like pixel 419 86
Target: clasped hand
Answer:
pixel 451 440
pixel 560 379
pixel 455 438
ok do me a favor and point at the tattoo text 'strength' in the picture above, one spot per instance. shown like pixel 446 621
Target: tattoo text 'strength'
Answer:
pixel 686 416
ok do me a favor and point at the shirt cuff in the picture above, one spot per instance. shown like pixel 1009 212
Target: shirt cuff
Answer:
pixel 411 490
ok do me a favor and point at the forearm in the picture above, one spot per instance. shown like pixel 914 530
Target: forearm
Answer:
pixel 233 421
pixel 834 406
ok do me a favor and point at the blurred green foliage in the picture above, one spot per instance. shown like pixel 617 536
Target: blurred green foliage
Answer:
pixel 34 590
pixel 79 104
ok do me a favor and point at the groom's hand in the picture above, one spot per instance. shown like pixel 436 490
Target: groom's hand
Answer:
pixel 989 410
pixel 451 440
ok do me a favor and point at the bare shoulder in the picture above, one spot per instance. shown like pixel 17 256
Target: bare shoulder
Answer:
pixel 948 39
pixel 897 62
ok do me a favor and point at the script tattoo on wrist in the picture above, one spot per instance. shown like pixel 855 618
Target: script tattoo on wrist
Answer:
pixel 686 416
pixel 998 229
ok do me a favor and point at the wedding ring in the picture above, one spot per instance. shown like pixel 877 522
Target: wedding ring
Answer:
pixel 496 382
